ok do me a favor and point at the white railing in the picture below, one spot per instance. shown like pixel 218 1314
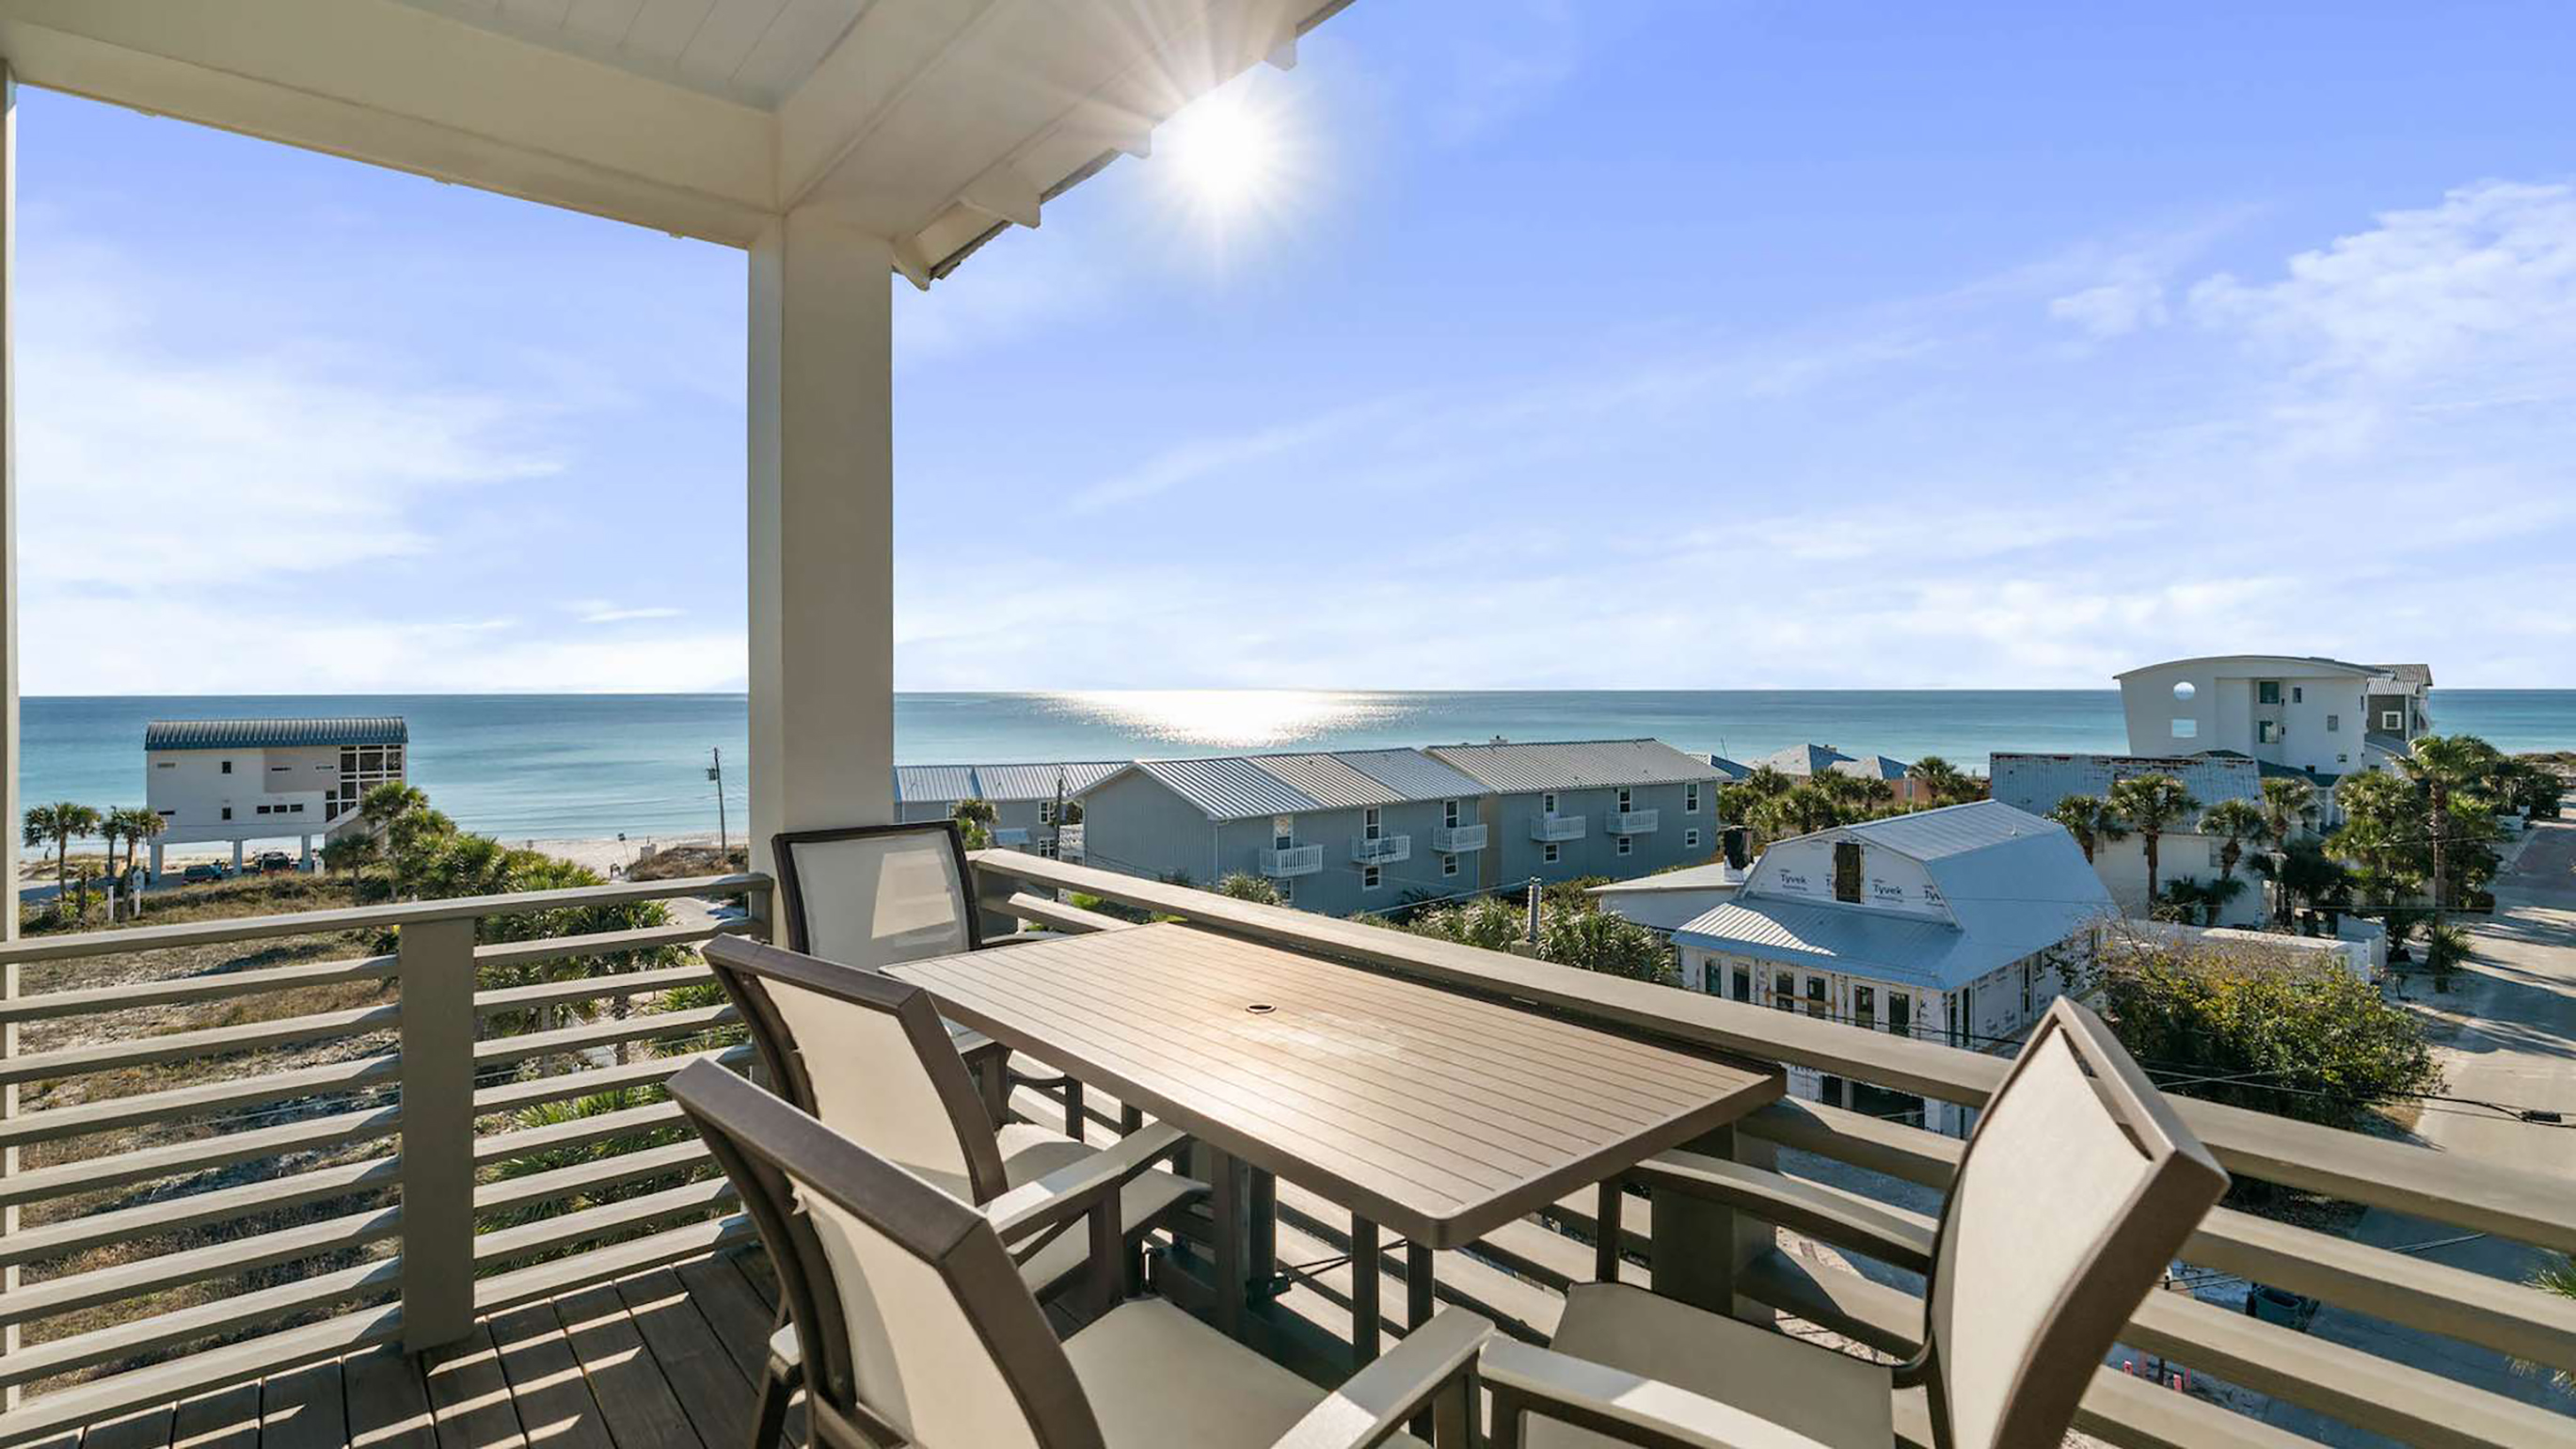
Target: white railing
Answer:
pixel 1381 849
pixel 376 1149
pixel 1556 827
pixel 1457 839
pixel 1635 822
pixel 1294 860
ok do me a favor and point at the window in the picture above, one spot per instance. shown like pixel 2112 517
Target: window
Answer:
pixel 1449 813
pixel 1547 804
pixel 1550 856
pixel 2334 724
pixel 1900 1014
pixel 228 812
pixel 1283 832
pixel 1690 840
pixel 1624 845
pixel 2184 729
pixel 2267 731
pixel 1623 802
pixel 1744 983
pixel 1368 878
pixel 2298 695
pixel 1817 1005
pixel 228 767
pixel 1708 977
pixel 2392 720
pixel 263 810
pixel 2267 692
pixel 1784 990
pixel 1847 871
pixel 1864 1007
pixel 1690 799
pixel 1448 865
pixel 165 764
pixel 1369 823
pixel 1046 812
pixel 297 807
pixel 2214 848
pixel 2025 990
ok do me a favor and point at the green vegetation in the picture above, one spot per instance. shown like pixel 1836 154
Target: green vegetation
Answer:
pixel 2091 820
pixel 1948 784
pixel 2429 830
pixel 1245 886
pixel 2152 805
pixel 57 824
pixel 2318 1046
pixel 1572 931
pixel 975 821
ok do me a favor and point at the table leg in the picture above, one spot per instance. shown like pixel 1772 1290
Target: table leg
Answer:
pixel 1226 1201
pixel 1417 1311
pixel 1261 1234
pixel 1365 1316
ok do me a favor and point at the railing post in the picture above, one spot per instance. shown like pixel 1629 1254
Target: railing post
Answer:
pixel 1700 1246
pixel 437 975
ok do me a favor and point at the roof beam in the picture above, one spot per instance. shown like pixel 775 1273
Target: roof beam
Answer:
pixel 394 86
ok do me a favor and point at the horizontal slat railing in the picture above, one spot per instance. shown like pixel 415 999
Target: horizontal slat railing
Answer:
pixel 204 1178
pixel 2337 1381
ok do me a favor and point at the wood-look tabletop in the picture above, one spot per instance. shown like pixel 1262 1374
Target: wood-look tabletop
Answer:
pixel 1439 1115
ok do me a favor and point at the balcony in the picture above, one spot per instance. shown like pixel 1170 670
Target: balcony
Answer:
pixel 1295 860
pixel 396 1227
pixel 1381 849
pixel 1549 828
pixel 1457 839
pixel 1635 822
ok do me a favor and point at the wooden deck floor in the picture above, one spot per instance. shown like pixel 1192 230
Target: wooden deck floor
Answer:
pixel 663 1360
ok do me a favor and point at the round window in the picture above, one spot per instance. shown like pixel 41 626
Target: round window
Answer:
pixel 2184 691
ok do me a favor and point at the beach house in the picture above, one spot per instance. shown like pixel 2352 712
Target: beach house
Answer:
pixel 2322 716
pixel 2037 782
pixel 1960 924
pixel 1800 761
pixel 1026 798
pixel 1569 808
pixel 236 781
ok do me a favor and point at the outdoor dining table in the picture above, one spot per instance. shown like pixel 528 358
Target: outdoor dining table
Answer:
pixel 1433 1114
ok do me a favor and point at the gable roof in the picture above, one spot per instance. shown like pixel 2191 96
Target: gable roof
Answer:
pixel 1728 769
pixel 1803 759
pixel 2419 675
pixel 920 784
pixel 1514 769
pixel 1327 780
pixel 2036 782
pixel 266 734
pixel 1224 787
pixel 2013 884
pixel 1413 774
pixel 1872 767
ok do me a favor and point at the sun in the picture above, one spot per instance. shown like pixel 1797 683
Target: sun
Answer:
pixel 1233 167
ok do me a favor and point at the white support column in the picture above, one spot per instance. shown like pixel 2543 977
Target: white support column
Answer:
pixel 822 524
pixel 9 625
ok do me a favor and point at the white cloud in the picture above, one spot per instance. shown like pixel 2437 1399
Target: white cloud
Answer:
pixel 600 611
pixel 2114 309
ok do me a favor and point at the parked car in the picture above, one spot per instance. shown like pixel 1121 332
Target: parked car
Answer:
pixel 271 862
pixel 2280 1305
pixel 206 870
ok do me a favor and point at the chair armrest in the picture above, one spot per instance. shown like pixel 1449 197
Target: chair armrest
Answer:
pixel 1619 1404
pixel 1079 1187
pixel 1844 1219
pixel 1376 1401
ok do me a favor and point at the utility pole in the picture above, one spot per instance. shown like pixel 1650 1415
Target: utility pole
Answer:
pixel 724 842
pixel 1055 842
pixel 1533 912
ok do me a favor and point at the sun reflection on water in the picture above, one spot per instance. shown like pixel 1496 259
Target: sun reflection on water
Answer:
pixel 1227 719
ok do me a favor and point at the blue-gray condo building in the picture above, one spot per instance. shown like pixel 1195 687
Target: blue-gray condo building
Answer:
pixel 1346 831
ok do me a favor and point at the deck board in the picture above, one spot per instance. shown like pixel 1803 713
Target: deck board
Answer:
pixel 388 1404
pixel 468 1397
pixel 546 1382
pixel 712 1389
pixel 641 1409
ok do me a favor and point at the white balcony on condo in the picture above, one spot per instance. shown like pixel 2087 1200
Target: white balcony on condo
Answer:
pixel 1381 849
pixel 1556 827
pixel 1457 839
pixel 1634 822
pixel 1292 860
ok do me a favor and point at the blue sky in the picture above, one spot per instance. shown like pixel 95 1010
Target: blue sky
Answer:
pixel 1587 345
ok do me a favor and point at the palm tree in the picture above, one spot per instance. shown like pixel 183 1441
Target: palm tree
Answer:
pixel 2091 820
pixel 385 807
pixel 975 821
pixel 138 826
pixel 2151 804
pixel 2237 824
pixel 2286 803
pixel 1946 782
pixel 58 823
pixel 2452 771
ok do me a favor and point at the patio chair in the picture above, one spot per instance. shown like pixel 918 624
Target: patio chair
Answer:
pixel 876 895
pixel 2076 1189
pixel 920 1333
pixel 883 1075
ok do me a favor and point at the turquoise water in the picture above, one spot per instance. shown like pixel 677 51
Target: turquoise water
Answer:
pixel 553 766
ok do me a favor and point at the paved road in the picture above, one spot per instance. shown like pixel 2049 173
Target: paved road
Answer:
pixel 2516 1043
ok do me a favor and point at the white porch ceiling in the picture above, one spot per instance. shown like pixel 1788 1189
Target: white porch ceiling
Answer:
pixel 932 123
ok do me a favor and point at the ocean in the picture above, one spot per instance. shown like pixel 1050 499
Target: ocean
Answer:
pixel 587 766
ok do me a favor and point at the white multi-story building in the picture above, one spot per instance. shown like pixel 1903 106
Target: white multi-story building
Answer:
pixel 2322 716
pixel 233 781
pixel 1959 924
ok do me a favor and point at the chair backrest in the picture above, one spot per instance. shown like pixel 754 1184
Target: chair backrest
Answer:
pixel 875 895
pixel 869 1056
pixel 913 1321
pixel 2077 1188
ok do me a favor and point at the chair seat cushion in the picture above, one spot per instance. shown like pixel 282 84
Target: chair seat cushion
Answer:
pixel 1030 1152
pixel 1160 1379
pixel 1829 1397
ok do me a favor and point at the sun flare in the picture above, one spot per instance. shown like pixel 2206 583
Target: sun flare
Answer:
pixel 1234 165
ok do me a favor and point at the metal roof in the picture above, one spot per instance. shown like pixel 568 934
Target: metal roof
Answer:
pixel 2249 666
pixel 1410 773
pixel 2036 783
pixel 262 734
pixel 1327 781
pixel 2419 675
pixel 1228 787
pixel 1038 782
pixel 1728 769
pixel 1715 875
pixel 914 784
pixel 1872 767
pixel 1803 759
pixel 2013 884
pixel 1509 769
